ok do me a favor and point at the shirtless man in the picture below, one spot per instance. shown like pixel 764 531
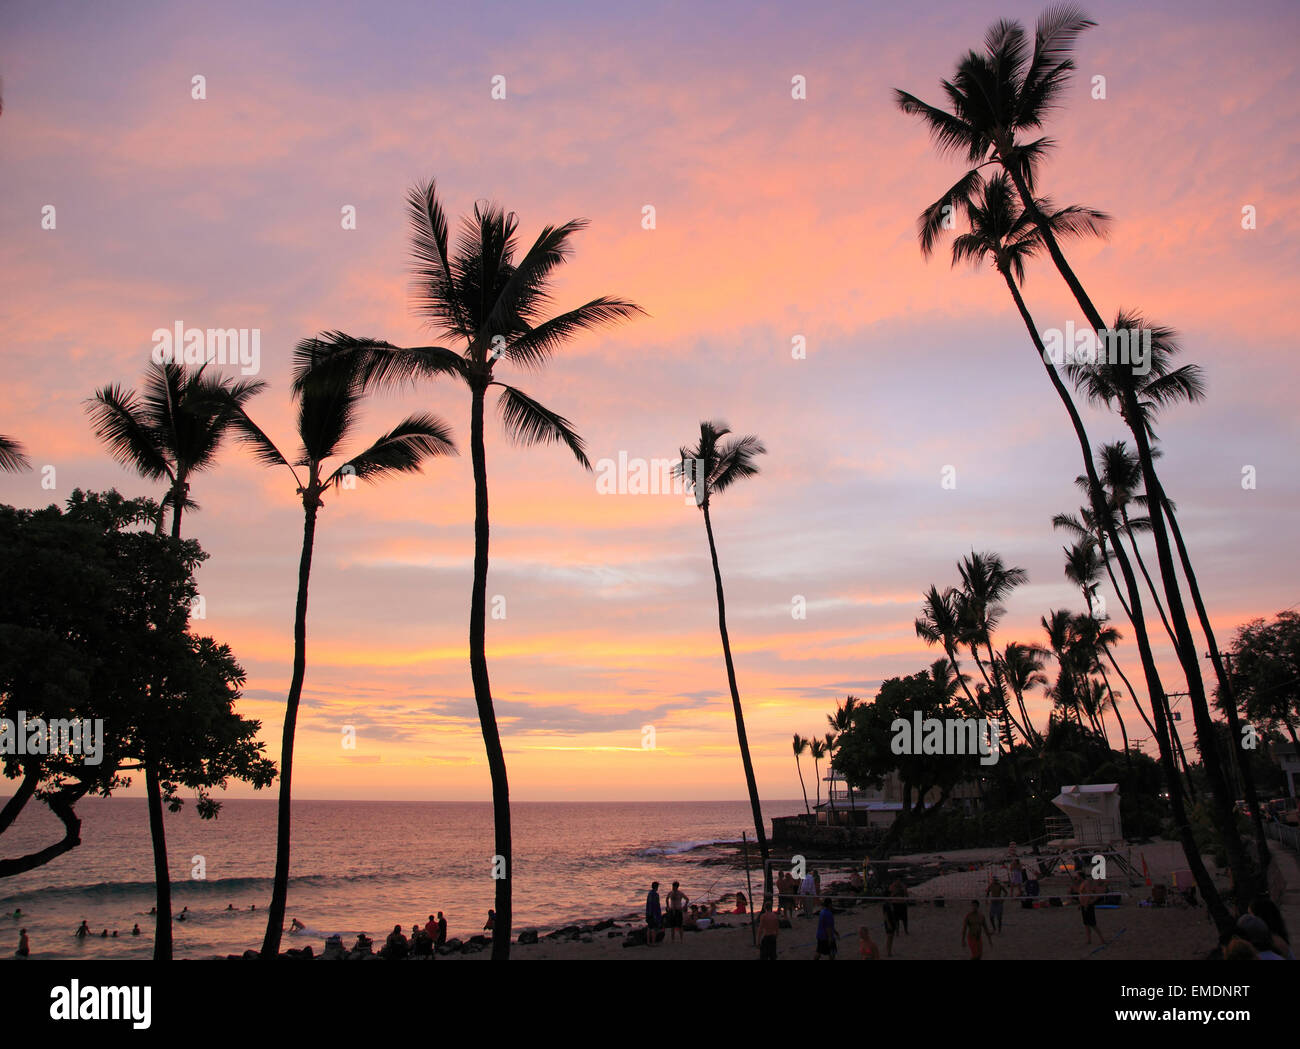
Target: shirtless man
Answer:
pixel 676 901
pixel 1090 893
pixel 973 928
pixel 996 892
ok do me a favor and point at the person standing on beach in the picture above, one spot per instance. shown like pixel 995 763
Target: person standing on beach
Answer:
pixel 785 894
pixel 826 934
pixel 807 891
pixel 677 901
pixel 24 948
pixel 973 928
pixel 769 926
pixel 431 927
pixel 653 915
pixel 867 949
pixel 899 890
pixel 996 891
pixel 1017 877
pixel 1089 893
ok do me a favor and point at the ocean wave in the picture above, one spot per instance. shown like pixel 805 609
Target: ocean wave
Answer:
pixel 676 848
pixel 189 887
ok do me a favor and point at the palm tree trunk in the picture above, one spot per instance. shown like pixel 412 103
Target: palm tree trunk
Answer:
pixel 162 941
pixel 1246 880
pixel 482 688
pixel 799 767
pixel 1242 762
pixel 750 782
pixel 1142 566
pixel 280 887
pixel 162 937
pixel 1223 920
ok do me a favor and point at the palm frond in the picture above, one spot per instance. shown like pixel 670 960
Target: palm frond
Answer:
pixel 527 422
pixel 403 449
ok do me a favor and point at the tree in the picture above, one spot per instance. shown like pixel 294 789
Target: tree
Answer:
pixel 118 658
pixel 1265 661
pixel 326 419
pixel 709 469
pixel 940 624
pixel 999 231
pixel 993 97
pixel 867 751
pixel 13 457
pixel 489 303
pixel 801 745
pixel 170 431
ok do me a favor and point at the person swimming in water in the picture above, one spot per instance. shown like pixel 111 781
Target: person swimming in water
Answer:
pixel 83 930
pixel 136 930
pixel 296 926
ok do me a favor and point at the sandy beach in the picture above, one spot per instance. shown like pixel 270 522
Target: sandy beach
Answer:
pixel 1133 932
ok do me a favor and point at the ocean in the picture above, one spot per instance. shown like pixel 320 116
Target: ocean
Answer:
pixel 358 867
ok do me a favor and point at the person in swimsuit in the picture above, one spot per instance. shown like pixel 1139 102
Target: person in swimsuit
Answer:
pixel 83 930
pixel 973 928
pixel 996 891
pixel 1089 894
pixel 24 948
pixel 675 918
pixel 900 906
pixel 867 949
pixel 1017 877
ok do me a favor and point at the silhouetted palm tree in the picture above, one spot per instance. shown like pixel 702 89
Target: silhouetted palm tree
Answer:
pixel 1021 668
pixel 940 624
pixel 170 431
pixel 1138 390
pixel 842 721
pixel 491 305
pixel 801 745
pixel 13 457
pixel 817 747
pixel 326 419
pixel 998 228
pixel 709 469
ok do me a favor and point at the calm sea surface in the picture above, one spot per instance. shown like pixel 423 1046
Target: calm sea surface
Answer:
pixel 357 866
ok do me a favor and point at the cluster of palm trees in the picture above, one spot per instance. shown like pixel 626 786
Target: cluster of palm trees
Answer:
pixel 998 100
pixel 488 302
pixel 840 722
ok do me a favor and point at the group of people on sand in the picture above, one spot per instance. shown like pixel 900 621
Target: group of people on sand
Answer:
pixel 422 943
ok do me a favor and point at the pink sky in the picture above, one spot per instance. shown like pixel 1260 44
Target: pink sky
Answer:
pixel 775 218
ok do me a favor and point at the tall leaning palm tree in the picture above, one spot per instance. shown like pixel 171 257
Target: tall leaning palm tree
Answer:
pixel 800 746
pixel 994 97
pixel 709 469
pixel 326 418
pixel 1004 232
pixel 490 304
pixel 13 457
pixel 169 431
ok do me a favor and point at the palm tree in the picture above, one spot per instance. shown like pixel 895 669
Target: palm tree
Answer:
pixel 997 231
pixel 842 721
pixel 994 97
pixel 325 422
pixel 1021 668
pixel 817 747
pixel 13 456
pixel 801 745
pixel 940 624
pixel 170 431
pixel 709 469
pixel 490 304
pixel 1138 394
pixel 986 583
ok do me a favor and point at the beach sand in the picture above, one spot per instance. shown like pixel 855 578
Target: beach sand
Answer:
pixel 1049 933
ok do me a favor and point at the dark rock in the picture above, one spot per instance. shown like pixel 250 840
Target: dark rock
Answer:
pixel 602 926
pixel 635 938
pixel 250 955
pixel 527 936
pixel 478 941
